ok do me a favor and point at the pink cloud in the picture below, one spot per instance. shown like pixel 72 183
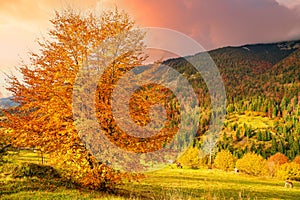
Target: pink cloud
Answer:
pixel 218 23
pixel 289 3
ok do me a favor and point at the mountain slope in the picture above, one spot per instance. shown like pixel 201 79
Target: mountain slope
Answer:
pixel 245 70
pixel 7 103
pixel 262 83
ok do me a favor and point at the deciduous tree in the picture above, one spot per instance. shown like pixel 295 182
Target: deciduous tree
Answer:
pixel 278 159
pixel 44 117
pixel 225 160
pixel 252 164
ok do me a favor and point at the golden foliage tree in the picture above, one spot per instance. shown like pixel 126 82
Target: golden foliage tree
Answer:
pixel 288 171
pixel 297 160
pixel 275 161
pixel 225 160
pixel 191 158
pixel 252 164
pixel 44 117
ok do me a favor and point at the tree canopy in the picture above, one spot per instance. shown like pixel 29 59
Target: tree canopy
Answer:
pixel 44 117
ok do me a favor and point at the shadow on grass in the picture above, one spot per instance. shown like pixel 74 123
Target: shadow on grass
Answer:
pixel 33 184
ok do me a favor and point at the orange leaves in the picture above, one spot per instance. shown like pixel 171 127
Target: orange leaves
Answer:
pixel 140 106
pixel 278 159
pixel 44 118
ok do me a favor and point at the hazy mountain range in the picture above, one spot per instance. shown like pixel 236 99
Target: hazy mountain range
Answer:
pixel 7 102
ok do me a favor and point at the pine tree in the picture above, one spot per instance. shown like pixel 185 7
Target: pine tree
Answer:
pixel 296 147
pixel 274 146
pixel 238 134
pixel 291 140
pixel 259 136
pixel 275 112
pixel 280 147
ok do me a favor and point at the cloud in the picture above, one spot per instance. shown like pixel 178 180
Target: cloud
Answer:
pixel 289 3
pixel 213 23
pixel 23 21
pixel 219 23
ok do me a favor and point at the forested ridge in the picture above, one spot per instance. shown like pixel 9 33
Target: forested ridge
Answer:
pixel 262 86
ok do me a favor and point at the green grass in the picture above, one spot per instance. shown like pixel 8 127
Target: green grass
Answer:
pixel 169 183
pixel 35 188
pixel 252 119
pixel 29 190
pixel 210 184
pixel 163 184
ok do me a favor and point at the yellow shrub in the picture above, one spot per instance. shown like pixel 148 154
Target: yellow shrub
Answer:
pixel 252 164
pixel 288 171
pixel 225 160
pixel 191 158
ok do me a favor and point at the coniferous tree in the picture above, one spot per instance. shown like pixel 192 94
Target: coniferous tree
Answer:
pixel 274 146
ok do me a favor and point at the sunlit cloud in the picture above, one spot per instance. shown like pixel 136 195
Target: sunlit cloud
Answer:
pixel 289 3
pixel 219 23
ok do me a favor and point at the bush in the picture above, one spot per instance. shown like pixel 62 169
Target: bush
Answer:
pixel 297 160
pixel 225 160
pixel 35 170
pixel 252 164
pixel 278 159
pixel 275 161
pixel 289 171
pixel 191 158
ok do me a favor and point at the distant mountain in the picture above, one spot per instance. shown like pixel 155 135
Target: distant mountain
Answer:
pixel 7 103
pixel 272 53
pixel 247 70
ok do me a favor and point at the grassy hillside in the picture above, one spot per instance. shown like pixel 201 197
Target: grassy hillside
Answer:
pixel 211 184
pixel 169 183
pixel 250 131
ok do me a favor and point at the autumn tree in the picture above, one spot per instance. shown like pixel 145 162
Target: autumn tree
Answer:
pixel 275 161
pixel 288 171
pixel 278 159
pixel 297 160
pixel 252 164
pixel 191 158
pixel 44 117
pixel 210 146
pixel 225 160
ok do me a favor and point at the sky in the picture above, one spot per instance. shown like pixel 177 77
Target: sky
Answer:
pixel 213 23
